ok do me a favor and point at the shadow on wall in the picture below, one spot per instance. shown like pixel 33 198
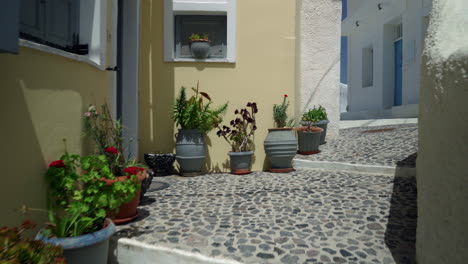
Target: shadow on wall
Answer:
pixel 44 98
pixel 319 86
pixel 22 182
pixel 158 88
pixel 400 234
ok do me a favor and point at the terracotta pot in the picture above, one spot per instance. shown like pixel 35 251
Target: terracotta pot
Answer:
pixel 127 211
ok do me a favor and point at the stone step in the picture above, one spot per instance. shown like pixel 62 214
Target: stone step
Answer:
pixel 359 168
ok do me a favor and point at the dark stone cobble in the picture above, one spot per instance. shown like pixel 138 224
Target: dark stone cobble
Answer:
pixel 306 216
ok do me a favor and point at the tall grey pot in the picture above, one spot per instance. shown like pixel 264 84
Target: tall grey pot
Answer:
pixel 190 151
pixel 90 248
pixel 309 141
pixel 323 124
pixel 280 148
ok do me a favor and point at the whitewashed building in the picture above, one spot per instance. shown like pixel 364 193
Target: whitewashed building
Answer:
pixel 385 43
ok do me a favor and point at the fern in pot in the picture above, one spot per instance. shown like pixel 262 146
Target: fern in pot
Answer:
pixel 195 118
pixel 281 143
pixel 308 135
pixel 320 120
pixel 239 136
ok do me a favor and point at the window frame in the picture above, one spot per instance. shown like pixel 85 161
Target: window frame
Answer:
pixel 204 18
pixel 97 55
pixel 181 7
pixel 367 67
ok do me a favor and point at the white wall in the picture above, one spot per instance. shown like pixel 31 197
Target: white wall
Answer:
pixel 376 29
pixel 318 55
pixel 442 230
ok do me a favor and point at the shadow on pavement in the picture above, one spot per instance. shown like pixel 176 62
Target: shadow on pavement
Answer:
pixel 400 235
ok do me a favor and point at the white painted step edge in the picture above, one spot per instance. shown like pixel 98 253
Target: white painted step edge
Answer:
pixel 360 168
pixel 128 251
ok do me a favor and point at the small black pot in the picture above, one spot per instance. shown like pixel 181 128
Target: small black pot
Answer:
pixel 161 164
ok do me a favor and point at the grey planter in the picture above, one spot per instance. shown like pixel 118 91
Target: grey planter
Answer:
pixel 322 124
pixel 190 151
pixel 309 141
pixel 280 148
pixel 89 248
pixel 241 162
pixel 200 49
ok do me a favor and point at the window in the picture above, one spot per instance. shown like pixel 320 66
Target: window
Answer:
pixel 54 23
pixel 398 31
pixel 216 18
pixel 213 26
pixel 367 67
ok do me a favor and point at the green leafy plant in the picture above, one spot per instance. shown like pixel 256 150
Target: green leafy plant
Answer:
pixel 315 114
pixel 196 37
pixel 280 115
pixel 79 202
pixel 107 136
pixel 194 113
pixel 242 129
pixel 15 249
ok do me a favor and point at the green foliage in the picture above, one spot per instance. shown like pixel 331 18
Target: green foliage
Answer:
pixel 315 114
pixel 79 202
pixel 193 113
pixel 280 115
pixel 14 249
pixel 196 37
pixel 107 134
pixel 243 129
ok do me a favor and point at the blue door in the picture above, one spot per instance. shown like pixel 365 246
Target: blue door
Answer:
pixel 398 72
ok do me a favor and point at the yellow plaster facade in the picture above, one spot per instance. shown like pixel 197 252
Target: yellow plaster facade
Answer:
pixel 264 71
pixel 43 97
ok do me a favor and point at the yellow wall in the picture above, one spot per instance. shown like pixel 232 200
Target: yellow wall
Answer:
pixel 42 100
pixel 263 72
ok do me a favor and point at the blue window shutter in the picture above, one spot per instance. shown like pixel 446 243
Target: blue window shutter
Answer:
pixel 62 22
pixel 9 26
pixel 32 19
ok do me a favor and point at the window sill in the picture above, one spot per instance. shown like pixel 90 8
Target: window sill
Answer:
pixel 226 60
pixel 48 49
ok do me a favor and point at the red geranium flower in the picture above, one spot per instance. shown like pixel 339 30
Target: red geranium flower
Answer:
pixel 57 164
pixel 28 224
pixel 133 170
pixel 285 95
pixel 111 150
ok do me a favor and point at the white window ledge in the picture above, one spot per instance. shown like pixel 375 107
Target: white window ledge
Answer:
pixel 202 60
pixel 48 49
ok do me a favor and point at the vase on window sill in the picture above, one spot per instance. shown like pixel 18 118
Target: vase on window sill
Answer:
pixel 200 48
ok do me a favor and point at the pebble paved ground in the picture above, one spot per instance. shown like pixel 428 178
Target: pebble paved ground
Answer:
pixel 307 216
pixel 383 145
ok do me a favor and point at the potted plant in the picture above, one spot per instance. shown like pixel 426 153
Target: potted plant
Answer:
pixel 79 203
pixel 200 46
pixel 239 136
pixel 160 163
pixel 308 135
pixel 194 118
pixel 322 121
pixel 107 136
pixel 14 248
pixel 281 143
